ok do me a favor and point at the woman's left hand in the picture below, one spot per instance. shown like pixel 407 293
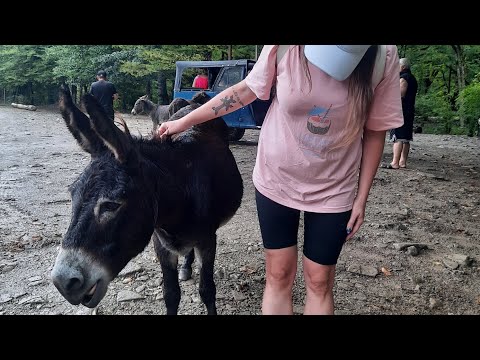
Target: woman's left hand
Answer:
pixel 356 218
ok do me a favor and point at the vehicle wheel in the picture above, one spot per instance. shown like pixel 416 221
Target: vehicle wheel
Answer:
pixel 235 134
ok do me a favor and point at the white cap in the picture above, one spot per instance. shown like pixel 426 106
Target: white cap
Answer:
pixel 338 61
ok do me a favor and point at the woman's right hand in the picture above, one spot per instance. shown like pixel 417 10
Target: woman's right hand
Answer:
pixel 169 128
pixel 240 92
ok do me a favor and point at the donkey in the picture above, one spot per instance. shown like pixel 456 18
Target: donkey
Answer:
pixel 176 192
pixel 161 113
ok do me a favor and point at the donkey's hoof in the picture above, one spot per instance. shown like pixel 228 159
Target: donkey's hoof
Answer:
pixel 184 274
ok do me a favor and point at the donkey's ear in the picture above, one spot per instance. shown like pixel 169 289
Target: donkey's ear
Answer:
pixel 79 124
pixel 118 142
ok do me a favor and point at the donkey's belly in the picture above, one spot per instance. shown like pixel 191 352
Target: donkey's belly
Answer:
pixel 179 245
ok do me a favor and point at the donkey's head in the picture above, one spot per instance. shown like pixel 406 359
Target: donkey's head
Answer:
pixel 139 106
pixel 201 98
pixel 112 214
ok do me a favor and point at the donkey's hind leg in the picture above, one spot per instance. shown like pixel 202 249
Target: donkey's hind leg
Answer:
pixel 186 268
pixel 206 254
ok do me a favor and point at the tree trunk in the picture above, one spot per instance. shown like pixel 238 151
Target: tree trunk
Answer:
pixel 229 52
pixel 52 94
pixel 162 89
pixel 148 90
pixel 31 100
pixel 460 65
pixel 74 93
pixel 207 55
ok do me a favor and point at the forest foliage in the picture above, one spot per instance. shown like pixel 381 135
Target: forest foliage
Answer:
pixel 448 99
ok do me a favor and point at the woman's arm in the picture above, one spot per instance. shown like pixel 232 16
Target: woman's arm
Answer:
pixel 373 144
pixel 229 100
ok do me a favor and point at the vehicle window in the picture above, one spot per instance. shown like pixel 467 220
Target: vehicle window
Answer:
pixel 187 77
pixel 230 77
pixel 189 74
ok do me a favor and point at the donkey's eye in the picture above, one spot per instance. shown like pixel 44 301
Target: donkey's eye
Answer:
pixel 109 206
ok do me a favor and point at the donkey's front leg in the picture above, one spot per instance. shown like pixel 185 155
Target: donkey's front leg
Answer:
pixel 171 287
pixel 207 289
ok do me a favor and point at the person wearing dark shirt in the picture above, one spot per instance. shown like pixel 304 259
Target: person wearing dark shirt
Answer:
pixel 104 91
pixel 403 135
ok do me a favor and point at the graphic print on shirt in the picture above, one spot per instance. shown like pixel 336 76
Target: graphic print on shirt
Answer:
pixel 318 123
pixel 313 136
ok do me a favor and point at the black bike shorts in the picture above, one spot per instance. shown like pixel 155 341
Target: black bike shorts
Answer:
pixel 324 233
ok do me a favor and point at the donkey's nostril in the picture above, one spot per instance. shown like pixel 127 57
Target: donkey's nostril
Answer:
pixel 73 284
pixel 67 279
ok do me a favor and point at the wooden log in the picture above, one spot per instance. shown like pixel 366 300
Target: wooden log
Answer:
pixel 26 107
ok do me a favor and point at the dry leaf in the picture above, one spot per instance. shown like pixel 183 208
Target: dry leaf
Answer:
pixel 248 269
pixel 386 272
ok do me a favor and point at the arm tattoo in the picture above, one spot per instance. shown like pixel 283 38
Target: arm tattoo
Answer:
pixel 226 103
pixel 238 97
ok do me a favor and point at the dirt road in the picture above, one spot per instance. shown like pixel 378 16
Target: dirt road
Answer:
pixel 435 203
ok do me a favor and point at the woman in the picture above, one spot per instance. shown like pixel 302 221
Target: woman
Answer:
pixel 318 151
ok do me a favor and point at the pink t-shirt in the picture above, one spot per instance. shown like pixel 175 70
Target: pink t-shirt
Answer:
pixel 293 165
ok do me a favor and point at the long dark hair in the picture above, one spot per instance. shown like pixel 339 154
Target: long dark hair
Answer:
pixel 360 95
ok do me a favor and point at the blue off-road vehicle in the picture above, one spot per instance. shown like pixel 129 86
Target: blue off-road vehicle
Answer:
pixel 221 75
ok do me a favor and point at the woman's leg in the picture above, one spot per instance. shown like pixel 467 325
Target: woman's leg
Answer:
pixel 319 281
pixel 404 157
pixel 281 267
pixel 279 228
pixel 397 153
pixel 324 238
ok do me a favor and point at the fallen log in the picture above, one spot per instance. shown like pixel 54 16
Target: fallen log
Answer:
pixel 26 107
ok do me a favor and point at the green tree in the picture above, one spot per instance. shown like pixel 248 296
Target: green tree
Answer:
pixel 469 107
pixel 24 71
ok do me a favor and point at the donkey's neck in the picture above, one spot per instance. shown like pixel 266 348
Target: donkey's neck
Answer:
pixel 157 153
pixel 165 181
pixel 150 107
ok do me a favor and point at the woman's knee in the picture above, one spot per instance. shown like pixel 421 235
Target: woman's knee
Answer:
pixel 320 278
pixel 281 266
pixel 281 275
pixel 318 285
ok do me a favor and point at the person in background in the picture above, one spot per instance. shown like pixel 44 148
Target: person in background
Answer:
pixel 402 136
pixel 201 80
pixel 105 92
